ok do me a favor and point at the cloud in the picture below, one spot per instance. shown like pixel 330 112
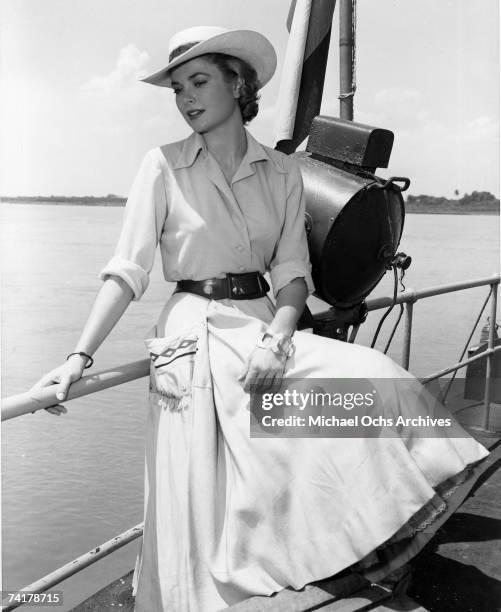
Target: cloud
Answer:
pixel 119 103
pixel 130 65
pixel 482 128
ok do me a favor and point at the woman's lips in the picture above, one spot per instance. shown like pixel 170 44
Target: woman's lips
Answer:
pixel 193 114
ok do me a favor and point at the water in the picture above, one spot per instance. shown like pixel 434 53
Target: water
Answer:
pixel 72 482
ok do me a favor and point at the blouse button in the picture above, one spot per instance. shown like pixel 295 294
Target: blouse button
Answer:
pixel 241 268
pixel 239 247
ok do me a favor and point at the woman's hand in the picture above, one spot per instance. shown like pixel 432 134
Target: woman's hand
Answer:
pixel 64 375
pixel 262 370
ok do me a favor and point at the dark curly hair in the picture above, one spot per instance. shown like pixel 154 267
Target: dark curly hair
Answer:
pixel 232 67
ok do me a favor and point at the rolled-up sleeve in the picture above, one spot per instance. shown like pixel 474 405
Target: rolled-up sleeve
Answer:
pixel 144 218
pixel 291 258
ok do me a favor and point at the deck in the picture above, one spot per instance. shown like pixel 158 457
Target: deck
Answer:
pixel 458 571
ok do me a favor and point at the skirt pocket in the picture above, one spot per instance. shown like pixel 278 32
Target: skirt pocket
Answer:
pixel 172 365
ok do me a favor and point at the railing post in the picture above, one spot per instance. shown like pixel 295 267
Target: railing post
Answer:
pixel 490 357
pixel 406 349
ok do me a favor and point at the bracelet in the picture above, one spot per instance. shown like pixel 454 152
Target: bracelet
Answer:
pixel 280 344
pixel 89 365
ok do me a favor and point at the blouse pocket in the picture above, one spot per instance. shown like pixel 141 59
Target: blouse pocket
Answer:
pixel 171 369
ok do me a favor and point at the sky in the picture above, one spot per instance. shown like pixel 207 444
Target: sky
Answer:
pixel 75 120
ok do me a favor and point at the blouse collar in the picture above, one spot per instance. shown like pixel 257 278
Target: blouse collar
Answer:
pixel 195 143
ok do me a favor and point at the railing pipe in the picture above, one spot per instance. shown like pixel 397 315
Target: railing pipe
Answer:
pixel 411 296
pixel 88 558
pixel 490 356
pixel 460 364
pixel 37 399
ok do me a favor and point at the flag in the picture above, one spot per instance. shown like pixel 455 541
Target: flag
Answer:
pixel 303 74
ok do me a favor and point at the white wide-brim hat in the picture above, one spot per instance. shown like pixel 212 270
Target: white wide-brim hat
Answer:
pixel 250 46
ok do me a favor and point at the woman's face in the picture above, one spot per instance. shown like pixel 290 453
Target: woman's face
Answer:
pixel 203 96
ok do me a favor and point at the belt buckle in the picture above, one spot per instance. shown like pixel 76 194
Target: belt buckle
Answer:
pixel 239 286
pixel 235 291
pixel 251 288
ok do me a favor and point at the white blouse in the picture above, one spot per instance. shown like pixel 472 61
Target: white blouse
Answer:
pixel 206 227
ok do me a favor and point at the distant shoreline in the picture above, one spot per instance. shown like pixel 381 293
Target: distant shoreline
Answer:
pixel 62 201
pixel 415 206
pixel 445 210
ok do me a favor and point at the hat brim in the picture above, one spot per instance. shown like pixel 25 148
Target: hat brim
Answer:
pixel 247 45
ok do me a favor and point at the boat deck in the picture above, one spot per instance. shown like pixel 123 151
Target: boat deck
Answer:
pixel 458 571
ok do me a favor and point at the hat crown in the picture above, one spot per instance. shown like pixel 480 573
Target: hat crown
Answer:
pixel 247 45
pixel 194 35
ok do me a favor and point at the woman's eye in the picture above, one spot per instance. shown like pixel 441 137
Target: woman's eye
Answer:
pixel 176 91
pixel 199 83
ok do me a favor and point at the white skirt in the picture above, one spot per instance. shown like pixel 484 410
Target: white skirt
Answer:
pixel 228 516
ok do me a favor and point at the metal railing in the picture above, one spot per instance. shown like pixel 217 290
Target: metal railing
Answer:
pixel 32 401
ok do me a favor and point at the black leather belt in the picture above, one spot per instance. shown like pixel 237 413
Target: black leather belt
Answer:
pixel 247 286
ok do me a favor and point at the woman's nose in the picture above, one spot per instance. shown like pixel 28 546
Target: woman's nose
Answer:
pixel 189 97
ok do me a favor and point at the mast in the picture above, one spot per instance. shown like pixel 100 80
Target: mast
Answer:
pixel 346 58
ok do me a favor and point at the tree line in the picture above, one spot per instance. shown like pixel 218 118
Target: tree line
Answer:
pixel 477 201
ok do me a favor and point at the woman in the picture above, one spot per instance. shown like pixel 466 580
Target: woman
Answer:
pixel 228 516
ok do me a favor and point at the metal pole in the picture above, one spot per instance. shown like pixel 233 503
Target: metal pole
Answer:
pixel 354 332
pixel 411 295
pixel 490 357
pixel 78 564
pixel 406 351
pixel 346 49
pixel 458 365
pixel 37 399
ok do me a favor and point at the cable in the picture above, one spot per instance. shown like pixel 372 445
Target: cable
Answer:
pixel 402 274
pixel 394 301
pixel 394 329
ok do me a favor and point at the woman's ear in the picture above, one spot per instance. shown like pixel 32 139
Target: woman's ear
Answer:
pixel 237 87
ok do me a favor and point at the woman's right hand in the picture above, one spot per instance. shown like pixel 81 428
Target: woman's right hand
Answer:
pixel 64 375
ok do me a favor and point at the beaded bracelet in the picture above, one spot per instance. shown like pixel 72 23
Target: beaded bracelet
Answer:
pixel 89 365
